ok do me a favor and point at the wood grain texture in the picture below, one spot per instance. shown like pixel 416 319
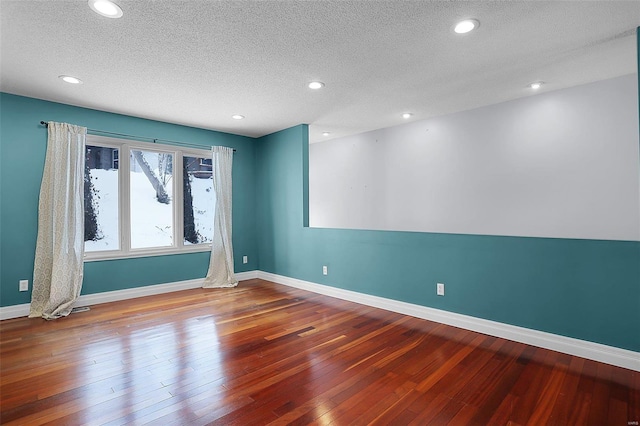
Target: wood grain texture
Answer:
pixel 263 353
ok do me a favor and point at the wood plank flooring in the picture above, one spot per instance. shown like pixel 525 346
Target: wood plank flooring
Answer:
pixel 263 353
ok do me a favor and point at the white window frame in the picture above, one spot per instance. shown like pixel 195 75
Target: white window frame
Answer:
pixel 114 159
pixel 124 147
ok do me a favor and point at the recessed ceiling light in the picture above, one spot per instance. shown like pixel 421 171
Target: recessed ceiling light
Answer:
pixel 237 117
pixel 325 133
pixel 315 85
pixel 69 79
pixel 407 115
pixel 105 8
pixel 536 85
pixel 466 26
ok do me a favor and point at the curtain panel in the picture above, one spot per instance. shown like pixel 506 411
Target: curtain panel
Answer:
pixel 220 273
pixel 58 265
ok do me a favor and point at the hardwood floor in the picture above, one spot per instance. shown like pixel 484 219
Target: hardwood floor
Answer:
pixel 267 354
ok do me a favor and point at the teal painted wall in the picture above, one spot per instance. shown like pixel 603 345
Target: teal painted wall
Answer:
pixel 586 289
pixel 23 147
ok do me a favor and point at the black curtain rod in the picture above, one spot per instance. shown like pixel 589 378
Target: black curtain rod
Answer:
pixel 154 140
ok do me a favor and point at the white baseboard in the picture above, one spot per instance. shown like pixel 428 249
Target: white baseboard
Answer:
pixel 15 311
pixel 582 348
pixel 249 275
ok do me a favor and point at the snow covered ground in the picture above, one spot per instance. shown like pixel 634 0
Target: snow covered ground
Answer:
pixel 105 183
pixel 151 221
pixel 204 203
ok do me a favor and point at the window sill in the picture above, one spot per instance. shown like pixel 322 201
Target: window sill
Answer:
pixel 99 256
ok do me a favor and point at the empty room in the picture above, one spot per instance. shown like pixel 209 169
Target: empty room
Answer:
pixel 319 212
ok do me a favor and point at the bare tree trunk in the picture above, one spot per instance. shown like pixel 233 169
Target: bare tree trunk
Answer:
pixel 164 168
pixel 161 193
pixel 190 233
pixel 91 231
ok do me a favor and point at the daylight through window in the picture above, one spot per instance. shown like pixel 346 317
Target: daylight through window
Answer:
pixel 146 199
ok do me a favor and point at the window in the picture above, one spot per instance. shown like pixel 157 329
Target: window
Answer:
pixel 151 199
pixel 199 200
pixel 101 199
pixel 144 199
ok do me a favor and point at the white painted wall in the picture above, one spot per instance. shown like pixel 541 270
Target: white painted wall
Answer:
pixel 559 164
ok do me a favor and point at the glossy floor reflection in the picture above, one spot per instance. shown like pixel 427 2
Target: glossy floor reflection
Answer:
pixel 264 353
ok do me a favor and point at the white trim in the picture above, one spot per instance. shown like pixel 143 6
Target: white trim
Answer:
pixel 582 348
pixel 98 256
pixel 249 275
pixel 15 311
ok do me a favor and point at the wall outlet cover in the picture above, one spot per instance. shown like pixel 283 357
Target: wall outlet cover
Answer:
pixel 440 289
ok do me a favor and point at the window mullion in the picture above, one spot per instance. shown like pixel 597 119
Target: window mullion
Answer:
pixel 125 211
pixel 179 199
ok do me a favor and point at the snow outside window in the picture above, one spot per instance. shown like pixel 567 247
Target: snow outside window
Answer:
pixel 199 200
pixel 145 199
pixel 101 199
pixel 151 199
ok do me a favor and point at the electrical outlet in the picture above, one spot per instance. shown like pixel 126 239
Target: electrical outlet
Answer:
pixel 440 289
pixel 325 270
pixel 24 285
pixel 245 259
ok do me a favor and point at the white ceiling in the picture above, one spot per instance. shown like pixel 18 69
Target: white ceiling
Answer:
pixel 199 62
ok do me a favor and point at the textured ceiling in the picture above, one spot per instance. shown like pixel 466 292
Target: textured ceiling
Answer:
pixel 199 62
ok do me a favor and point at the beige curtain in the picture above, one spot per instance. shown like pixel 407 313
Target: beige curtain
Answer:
pixel 220 272
pixel 58 266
